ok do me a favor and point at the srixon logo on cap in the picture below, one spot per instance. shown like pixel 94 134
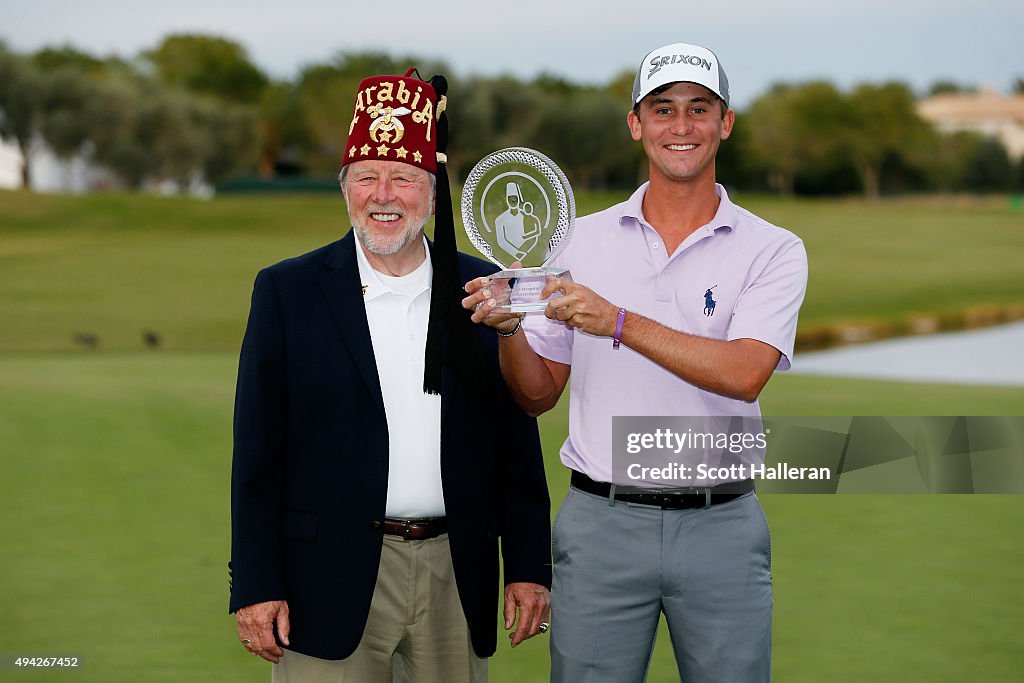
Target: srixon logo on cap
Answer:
pixel 658 62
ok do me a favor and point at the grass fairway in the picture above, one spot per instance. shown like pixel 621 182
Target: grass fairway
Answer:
pixel 114 532
pixel 114 265
pixel 114 489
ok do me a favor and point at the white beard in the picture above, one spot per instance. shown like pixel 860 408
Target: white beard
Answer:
pixel 386 246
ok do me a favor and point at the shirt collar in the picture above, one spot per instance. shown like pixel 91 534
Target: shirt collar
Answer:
pixel 375 286
pixel 725 217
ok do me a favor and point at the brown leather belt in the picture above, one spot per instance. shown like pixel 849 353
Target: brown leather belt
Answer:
pixel 678 499
pixel 416 529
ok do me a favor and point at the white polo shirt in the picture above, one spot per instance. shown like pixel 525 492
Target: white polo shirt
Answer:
pixel 397 310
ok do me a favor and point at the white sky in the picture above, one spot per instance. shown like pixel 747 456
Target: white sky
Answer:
pixel 759 42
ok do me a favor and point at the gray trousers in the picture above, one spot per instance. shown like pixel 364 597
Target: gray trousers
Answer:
pixel 618 567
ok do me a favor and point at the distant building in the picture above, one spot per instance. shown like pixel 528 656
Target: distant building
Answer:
pixel 78 175
pixel 10 165
pixel 50 173
pixel 985 111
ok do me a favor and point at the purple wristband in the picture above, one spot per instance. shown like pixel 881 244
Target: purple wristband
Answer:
pixel 617 339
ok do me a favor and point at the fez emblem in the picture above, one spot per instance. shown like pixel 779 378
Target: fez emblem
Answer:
pixel 385 122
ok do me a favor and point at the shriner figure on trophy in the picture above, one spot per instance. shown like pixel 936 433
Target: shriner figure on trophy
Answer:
pixel 518 229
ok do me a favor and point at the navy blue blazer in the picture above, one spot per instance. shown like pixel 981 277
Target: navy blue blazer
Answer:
pixel 310 465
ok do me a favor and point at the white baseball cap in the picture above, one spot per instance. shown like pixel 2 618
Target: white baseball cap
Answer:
pixel 680 62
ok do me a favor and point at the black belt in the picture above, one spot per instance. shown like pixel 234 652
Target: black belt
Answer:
pixel 677 499
pixel 416 529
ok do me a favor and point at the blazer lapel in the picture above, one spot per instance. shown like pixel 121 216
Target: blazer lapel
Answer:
pixel 342 289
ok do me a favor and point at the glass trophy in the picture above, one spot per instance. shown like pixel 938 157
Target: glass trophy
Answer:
pixel 518 206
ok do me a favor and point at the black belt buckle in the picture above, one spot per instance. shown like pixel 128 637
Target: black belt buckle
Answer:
pixel 679 501
pixel 682 501
pixel 683 498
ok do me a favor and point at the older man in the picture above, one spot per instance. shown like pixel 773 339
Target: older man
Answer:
pixel 368 498
pixel 705 306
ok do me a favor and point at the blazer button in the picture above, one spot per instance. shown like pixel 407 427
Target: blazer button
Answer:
pixel 376 525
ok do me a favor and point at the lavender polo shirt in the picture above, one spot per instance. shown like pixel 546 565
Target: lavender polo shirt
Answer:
pixel 757 274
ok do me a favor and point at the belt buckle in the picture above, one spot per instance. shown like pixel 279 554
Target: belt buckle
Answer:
pixel 677 498
pixel 668 501
pixel 676 501
pixel 407 529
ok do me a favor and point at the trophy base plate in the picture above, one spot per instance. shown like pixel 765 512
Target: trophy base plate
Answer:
pixel 527 284
pixel 537 307
pixel 526 273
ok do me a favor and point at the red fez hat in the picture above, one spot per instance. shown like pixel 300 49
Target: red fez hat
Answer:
pixel 399 118
pixel 395 119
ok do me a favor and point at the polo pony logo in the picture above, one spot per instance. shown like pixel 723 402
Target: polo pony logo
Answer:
pixel 709 303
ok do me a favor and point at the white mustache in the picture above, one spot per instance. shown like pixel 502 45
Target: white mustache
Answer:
pixel 384 208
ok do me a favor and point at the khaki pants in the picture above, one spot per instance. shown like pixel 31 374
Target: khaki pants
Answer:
pixel 416 630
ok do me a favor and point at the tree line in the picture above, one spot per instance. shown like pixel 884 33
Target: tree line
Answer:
pixel 129 117
pixel 196 105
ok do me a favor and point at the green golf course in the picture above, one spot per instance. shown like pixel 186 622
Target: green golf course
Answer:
pixel 116 457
